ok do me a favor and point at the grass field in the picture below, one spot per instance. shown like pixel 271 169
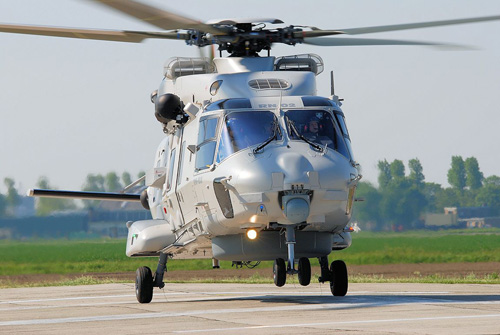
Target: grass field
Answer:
pixel 106 255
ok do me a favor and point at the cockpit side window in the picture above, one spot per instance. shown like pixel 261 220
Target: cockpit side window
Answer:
pixel 318 126
pixel 341 121
pixel 241 130
pixel 205 149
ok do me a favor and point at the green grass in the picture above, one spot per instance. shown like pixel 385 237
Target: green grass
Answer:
pixel 423 247
pixel 107 255
pixel 259 279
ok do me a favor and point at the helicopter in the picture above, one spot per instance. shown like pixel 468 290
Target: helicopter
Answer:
pixel 254 165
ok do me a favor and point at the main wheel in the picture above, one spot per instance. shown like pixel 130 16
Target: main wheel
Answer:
pixel 144 285
pixel 304 271
pixel 279 272
pixel 339 282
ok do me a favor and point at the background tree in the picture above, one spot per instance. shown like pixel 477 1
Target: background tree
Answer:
pixel 139 175
pixel 368 211
pixel 492 180
pixel 384 174
pixel 3 205
pixel 112 182
pixel 456 174
pixel 431 192
pixel 94 183
pixel 416 172
pixel 12 198
pixel 473 177
pixel 126 179
pixel 397 169
pixel 45 206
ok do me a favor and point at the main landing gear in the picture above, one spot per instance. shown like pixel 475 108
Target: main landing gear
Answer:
pixel 336 274
pixel 145 281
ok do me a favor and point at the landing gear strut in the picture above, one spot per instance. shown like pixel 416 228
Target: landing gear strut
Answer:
pixel 336 275
pixel 144 280
pixel 280 269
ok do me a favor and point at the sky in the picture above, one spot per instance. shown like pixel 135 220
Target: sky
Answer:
pixel 72 107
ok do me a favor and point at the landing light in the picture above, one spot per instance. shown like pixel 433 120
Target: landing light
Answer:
pixel 252 234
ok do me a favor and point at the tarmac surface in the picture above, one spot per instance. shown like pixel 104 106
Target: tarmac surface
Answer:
pixel 253 309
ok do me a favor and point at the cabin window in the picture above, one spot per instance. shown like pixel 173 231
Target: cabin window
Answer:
pixel 317 126
pixel 206 143
pixel 241 130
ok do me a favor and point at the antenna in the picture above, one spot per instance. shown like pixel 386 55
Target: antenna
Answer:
pixel 332 84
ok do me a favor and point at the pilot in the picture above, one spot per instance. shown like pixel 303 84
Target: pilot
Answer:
pixel 312 132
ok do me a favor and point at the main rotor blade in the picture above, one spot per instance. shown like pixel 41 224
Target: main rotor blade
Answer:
pixel 379 29
pixel 157 17
pixel 91 34
pixel 346 41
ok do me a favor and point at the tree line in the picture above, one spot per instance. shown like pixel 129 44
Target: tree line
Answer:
pixel 400 199
pixel 109 182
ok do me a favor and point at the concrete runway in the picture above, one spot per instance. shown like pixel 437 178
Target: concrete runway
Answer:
pixel 253 309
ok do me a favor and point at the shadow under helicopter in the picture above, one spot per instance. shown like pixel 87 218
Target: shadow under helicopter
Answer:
pixel 357 301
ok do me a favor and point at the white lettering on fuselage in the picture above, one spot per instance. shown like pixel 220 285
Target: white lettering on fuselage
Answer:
pixel 290 105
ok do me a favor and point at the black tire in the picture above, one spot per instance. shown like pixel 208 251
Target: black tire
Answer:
pixel 304 271
pixel 144 285
pixel 339 282
pixel 279 272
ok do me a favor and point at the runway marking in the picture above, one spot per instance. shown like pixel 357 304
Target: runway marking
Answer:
pixel 160 315
pixel 357 303
pixel 334 323
pixel 65 299
pixel 276 293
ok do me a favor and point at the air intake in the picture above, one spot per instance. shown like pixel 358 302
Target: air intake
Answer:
pixel 268 84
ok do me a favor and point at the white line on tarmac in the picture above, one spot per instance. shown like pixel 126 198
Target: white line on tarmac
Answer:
pixel 159 315
pixel 336 305
pixel 279 293
pixel 334 323
pixel 65 299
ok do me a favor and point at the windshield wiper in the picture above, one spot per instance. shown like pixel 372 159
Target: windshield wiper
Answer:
pixel 314 145
pixel 270 139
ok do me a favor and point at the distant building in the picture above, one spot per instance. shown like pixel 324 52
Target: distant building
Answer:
pixel 462 217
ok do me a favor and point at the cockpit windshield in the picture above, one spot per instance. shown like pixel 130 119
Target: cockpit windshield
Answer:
pixel 318 127
pixel 241 130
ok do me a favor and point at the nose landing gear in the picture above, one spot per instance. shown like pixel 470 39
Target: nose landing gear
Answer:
pixel 280 270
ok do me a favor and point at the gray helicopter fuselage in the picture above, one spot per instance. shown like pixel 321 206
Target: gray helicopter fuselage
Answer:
pixel 213 178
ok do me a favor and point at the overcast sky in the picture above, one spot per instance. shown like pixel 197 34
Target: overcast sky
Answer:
pixel 71 107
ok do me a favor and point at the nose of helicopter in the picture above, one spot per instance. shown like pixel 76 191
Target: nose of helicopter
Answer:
pixel 283 168
pixel 294 166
